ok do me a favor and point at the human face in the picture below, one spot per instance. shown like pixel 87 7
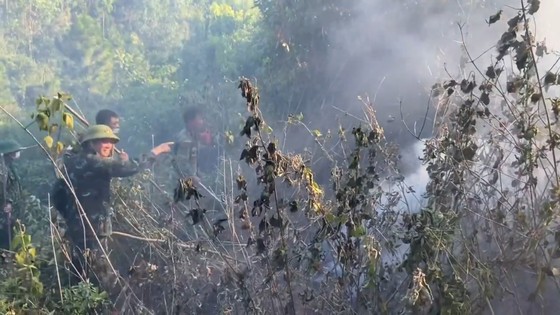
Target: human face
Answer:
pixel 115 124
pixel 104 147
pixel 196 124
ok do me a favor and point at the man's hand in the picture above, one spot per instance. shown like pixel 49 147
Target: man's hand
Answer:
pixel 124 156
pixel 162 148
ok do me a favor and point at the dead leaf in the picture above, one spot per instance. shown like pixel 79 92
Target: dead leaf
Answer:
pixel 494 18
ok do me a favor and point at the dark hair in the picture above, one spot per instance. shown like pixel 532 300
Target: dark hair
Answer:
pixel 104 116
pixel 191 113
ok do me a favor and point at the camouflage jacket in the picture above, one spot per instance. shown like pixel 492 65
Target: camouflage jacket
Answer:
pixel 90 175
pixel 10 178
pixel 193 156
pixel 10 189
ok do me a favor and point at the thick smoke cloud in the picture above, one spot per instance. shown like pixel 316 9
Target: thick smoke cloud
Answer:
pixel 395 51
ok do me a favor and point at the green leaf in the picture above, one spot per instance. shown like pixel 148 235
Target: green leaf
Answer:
pixel 359 231
pixel 316 133
pixel 32 252
pixel 229 137
pixel 68 120
pixel 295 118
pixel 267 129
pixel 20 258
pixel 49 141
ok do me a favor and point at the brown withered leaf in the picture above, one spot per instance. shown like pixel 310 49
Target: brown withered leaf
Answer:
pixel 467 86
pixel 217 229
pixel 514 21
pixel 185 190
pixel 241 182
pixel 534 6
pixel 535 97
pixel 514 84
pixel 197 215
pixel 494 18
pixel 541 49
pixel 550 78
pixel 249 123
pixel 485 98
pixel 492 72
pixel 505 43
pixel 450 84
pixel 241 197
pixel 250 155
pixel 522 56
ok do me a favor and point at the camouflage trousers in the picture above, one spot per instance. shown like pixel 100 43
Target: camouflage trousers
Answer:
pixel 94 264
pixel 90 255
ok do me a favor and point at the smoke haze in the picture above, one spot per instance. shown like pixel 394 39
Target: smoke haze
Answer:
pixel 395 55
pixel 393 52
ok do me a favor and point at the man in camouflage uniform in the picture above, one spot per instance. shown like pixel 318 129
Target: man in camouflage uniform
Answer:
pixel 109 118
pixel 196 145
pixel 11 191
pixel 90 172
pixel 18 204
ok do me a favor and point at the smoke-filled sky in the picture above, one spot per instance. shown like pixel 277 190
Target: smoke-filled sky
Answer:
pixel 395 52
pixel 398 54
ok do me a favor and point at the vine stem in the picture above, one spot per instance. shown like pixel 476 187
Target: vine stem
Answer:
pixel 282 237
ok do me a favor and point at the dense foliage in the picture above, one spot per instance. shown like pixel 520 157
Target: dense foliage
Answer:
pixel 271 231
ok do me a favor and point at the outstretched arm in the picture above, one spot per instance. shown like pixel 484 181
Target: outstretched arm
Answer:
pixel 125 167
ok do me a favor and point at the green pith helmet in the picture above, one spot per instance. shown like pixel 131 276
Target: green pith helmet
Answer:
pixel 96 132
pixel 9 146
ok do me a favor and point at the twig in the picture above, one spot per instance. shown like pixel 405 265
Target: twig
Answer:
pixel 53 248
pixel 80 118
pixel 417 136
pixel 140 238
